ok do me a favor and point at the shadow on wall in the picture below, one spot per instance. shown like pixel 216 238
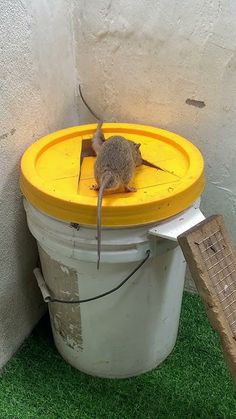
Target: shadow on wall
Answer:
pixel 21 304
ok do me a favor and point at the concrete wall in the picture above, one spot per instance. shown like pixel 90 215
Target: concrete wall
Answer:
pixel 141 61
pixel 37 79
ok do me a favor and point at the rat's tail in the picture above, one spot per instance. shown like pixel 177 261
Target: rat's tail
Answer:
pixel 107 180
pixel 98 138
pixel 87 106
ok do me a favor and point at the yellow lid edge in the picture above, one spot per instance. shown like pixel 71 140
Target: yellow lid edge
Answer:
pixel 39 195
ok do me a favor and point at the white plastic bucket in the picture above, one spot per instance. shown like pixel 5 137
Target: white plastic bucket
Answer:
pixel 132 330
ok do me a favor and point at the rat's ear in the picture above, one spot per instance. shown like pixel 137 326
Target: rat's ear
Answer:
pixel 137 146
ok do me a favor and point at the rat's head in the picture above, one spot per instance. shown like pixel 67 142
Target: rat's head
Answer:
pixel 136 154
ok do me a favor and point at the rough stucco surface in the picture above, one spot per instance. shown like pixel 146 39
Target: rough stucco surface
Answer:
pixel 169 64
pixel 37 74
pixel 140 62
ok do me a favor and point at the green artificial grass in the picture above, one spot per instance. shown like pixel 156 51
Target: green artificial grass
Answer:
pixel 192 383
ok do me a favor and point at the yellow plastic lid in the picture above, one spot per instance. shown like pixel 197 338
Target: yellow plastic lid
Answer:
pixel 54 180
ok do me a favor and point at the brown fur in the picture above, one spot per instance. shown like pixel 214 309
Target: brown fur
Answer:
pixel 114 168
pixel 119 157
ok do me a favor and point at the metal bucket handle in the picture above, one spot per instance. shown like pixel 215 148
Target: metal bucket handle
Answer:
pixel 47 296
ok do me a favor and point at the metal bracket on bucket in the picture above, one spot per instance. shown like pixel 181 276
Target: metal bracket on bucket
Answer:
pixel 173 228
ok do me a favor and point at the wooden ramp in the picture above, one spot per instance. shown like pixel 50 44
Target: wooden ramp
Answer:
pixel 211 257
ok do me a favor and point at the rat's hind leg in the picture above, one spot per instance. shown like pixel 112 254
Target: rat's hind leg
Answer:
pixel 130 189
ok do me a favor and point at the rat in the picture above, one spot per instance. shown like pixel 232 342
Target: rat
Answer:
pixel 114 167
